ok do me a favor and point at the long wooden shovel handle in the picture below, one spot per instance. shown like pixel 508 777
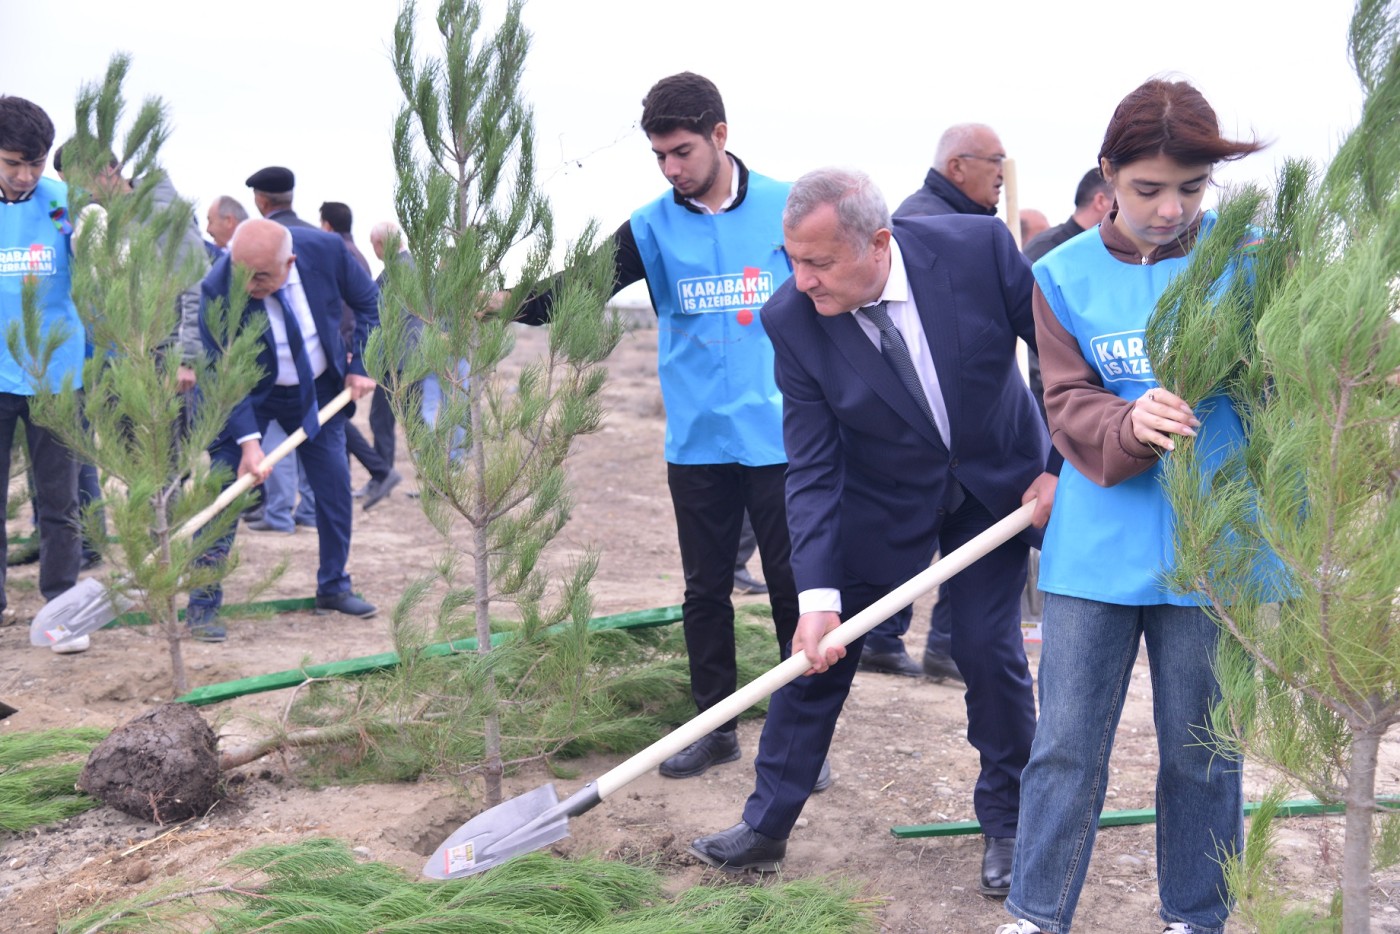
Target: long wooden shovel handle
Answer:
pixel 239 486
pixel 793 667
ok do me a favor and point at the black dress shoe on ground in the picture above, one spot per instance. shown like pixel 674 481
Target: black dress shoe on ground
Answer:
pixel 260 525
pixel 346 603
pixel 746 583
pixel 740 848
pixel 203 624
pixel 378 489
pixel 711 749
pixel 823 778
pixel 996 866
pixel 941 667
pixel 889 663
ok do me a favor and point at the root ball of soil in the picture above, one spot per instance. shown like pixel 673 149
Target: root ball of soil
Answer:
pixel 161 766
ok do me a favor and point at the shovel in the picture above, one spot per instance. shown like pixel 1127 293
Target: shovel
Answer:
pixel 88 605
pixel 538 818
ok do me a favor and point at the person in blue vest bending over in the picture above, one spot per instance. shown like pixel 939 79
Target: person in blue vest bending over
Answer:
pixel 711 251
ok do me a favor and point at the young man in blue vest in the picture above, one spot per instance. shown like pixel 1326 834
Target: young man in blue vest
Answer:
pixel 35 234
pixel 711 251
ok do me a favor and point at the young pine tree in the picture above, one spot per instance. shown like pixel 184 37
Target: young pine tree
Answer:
pixel 491 463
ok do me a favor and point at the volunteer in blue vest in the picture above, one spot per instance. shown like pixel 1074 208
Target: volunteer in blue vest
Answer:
pixel 1110 541
pixel 711 251
pixel 35 235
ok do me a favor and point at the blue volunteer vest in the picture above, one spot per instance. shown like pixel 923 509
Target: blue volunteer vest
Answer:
pixel 709 274
pixel 1113 544
pixel 34 238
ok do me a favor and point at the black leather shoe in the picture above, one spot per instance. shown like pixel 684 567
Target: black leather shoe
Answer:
pixel 346 603
pixel 740 848
pixel 260 525
pixel 746 583
pixel 711 749
pixel 823 778
pixel 996 866
pixel 941 667
pixel 378 489
pixel 889 663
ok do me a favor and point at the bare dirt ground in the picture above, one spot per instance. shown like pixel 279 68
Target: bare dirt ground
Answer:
pixel 900 756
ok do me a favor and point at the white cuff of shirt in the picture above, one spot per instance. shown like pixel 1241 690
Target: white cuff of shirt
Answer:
pixel 819 600
pixel 255 436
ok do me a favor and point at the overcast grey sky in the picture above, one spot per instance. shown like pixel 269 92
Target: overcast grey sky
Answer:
pixel 307 84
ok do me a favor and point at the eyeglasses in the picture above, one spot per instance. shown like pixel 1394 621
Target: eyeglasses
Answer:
pixel 995 160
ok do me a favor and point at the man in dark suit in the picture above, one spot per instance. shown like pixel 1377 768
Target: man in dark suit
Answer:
pixel 305 364
pixel 899 444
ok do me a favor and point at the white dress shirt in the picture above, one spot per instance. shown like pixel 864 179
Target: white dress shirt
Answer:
pixel 286 366
pixel 315 353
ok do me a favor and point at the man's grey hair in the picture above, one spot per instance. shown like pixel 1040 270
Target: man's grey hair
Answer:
pixel 956 140
pixel 381 231
pixel 225 206
pixel 281 199
pixel 860 207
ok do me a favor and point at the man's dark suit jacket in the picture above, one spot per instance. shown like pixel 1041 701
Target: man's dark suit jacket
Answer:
pixel 868 475
pixel 328 275
pixel 288 218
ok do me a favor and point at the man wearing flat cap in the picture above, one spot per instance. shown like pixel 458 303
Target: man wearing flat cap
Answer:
pixel 281 511
pixel 272 193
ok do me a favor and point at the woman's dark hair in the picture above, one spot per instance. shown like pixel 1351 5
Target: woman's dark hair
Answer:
pixel 1169 118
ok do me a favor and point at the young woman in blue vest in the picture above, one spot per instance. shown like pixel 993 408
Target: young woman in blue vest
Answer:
pixel 1109 538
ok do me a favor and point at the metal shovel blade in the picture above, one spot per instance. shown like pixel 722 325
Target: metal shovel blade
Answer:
pixel 83 608
pixel 7 711
pixel 509 829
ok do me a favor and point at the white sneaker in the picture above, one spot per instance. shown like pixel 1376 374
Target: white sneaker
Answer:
pixel 1019 926
pixel 72 646
pixel 1178 927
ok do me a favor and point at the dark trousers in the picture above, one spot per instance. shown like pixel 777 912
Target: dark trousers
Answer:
pixel 709 501
pixel 989 652
pixel 362 451
pixel 381 426
pixel 326 468
pixel 55 495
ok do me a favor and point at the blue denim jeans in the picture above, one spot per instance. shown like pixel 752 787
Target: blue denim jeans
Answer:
pixel 281 508
pixel 432 390
pixel 1086 663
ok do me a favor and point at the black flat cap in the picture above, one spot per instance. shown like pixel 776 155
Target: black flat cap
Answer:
pixel 274 179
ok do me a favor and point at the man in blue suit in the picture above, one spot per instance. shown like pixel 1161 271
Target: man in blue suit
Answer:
pixel 908 430
pixel 305 364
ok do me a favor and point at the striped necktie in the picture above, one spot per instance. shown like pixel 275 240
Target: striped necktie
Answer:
pixel 896 354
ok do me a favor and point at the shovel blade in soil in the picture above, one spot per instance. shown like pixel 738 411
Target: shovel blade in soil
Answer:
pixel 511 828
pixel 85 607
pixel 7 711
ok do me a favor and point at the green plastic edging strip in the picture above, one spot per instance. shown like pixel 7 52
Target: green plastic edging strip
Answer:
pixel 281 680
pixel 289 605
pixel 1296 808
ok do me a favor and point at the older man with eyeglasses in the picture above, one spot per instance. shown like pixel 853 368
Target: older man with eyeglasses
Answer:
pixel 966 176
